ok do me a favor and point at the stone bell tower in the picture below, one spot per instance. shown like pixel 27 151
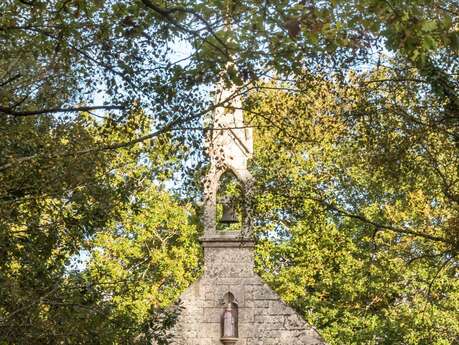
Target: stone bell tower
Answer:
pixel 230 304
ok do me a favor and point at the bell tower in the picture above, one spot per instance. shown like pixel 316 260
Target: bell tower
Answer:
pixel 230 304
pixel 229 146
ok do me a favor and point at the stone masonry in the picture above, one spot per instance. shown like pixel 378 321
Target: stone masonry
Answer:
pixel 263 318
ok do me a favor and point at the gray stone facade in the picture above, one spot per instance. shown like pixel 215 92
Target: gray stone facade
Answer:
pixel 262 318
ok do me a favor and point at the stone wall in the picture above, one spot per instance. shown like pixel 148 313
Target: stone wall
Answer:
pixel 262 317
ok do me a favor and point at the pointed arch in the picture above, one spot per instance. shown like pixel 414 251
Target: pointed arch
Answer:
pixel 229 317
pixel 211 186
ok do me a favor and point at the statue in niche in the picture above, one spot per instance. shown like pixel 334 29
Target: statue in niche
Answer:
pixel 229 320
pixel 229 145
pixel 229 323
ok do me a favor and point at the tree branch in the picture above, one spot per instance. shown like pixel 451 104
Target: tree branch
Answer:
pixel 382 226
pixel 168 127
pixel 10 111
pixel 166 13
pixel 13 78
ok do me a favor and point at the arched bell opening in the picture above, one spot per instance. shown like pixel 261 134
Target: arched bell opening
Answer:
pixel 230 212
pixel 229 320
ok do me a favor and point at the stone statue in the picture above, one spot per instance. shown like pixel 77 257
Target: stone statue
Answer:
pixel 229 145
pixel 229 324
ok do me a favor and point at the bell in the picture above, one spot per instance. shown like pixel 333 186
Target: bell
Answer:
pixel 229 214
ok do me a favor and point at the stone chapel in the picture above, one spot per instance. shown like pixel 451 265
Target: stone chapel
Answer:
pixel 230 304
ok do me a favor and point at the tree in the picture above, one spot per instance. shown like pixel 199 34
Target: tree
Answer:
pixel 125 47
pixel 66 198
pixel 357 210
pixel 143 264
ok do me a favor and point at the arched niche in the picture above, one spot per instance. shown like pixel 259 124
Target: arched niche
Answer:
pixel 212 184
pixel 230 211
pixel 229 319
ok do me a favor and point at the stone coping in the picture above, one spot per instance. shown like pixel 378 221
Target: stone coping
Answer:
pixel 227 240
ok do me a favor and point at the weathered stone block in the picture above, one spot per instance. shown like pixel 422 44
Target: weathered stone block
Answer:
pixel 265 293
pixel 246 315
